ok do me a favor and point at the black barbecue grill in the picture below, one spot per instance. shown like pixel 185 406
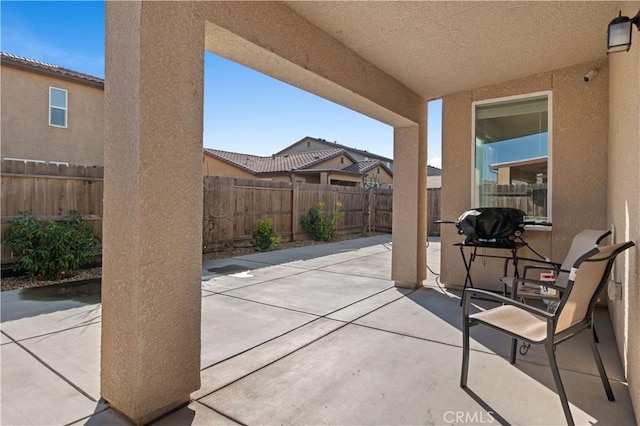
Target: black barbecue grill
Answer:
pixel 495 226
pixel 491 227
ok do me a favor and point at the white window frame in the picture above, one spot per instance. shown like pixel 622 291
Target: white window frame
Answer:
pixel 65 109
pixel 549 95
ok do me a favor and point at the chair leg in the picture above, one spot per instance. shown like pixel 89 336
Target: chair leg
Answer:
pixel 465 353
pixel 595 335
pixel 558 381
pixel 603 373
pixel 514 347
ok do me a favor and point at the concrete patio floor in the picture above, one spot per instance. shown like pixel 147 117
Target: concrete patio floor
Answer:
pixel 312 335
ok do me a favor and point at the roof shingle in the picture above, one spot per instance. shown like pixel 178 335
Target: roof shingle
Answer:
pixel 332 145
pixel 363 166
pixel 276 163
pixel 258 165
pixel 45 68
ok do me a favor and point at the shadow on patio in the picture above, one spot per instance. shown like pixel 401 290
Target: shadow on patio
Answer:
pixel 318 337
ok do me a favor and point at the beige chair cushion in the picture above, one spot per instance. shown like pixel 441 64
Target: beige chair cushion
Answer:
pixel 516 321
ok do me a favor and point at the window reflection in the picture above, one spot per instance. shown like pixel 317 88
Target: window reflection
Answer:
pixel 512 155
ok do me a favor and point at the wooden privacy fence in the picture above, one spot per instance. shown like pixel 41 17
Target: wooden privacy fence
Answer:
pixel 231 206
pixel 50 191
pixel 433 211
pixel 531 198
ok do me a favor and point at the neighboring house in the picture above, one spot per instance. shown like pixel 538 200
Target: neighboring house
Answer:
pixel 308 144
pixel 529 171
pixel 329 166
pixel 434 177
pixel 51 114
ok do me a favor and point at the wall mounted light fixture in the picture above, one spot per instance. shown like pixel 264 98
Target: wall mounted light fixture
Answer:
pixel 619 33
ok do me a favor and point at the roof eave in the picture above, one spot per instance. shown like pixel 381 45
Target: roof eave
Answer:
pixel 230 162
pixel 33 68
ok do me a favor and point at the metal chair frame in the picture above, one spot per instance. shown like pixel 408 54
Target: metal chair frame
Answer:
pixel 552 338
pixel 596 237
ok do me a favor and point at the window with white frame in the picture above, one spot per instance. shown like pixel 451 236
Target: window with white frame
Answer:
pixel 57 107
pixel 511 161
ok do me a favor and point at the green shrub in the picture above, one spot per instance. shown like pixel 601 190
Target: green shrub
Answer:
pixel 50 249
pixel 320 224
pixel 265 236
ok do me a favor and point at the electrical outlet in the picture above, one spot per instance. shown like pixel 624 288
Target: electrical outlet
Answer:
pixel 615 290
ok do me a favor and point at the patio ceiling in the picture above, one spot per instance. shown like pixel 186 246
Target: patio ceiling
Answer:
pixel 439 47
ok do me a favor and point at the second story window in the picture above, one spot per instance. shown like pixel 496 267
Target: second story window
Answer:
pixel 57 107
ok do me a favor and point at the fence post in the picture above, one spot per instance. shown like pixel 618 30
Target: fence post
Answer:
pixel 294 209
pixel 233 208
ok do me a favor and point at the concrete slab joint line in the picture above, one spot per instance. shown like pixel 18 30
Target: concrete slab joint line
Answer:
pixel 271 362
pixel 285 334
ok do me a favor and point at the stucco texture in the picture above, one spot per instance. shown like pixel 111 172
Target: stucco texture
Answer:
pixel 381 176
pixel 213 167
pixel 336 163
pixel 624 202
pixel 152 258
pixel 153 173
pixel 26 133
pixel 578 165
pixel 273 39
pixel 408 263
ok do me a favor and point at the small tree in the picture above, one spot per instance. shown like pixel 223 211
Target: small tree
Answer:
pixel 369 184
pixel 320 224
pixel 51 249
pixel 265 236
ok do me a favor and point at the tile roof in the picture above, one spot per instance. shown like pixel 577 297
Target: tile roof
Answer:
pixel 433 171
pixel 332 145
pixel 50 69
pixel 363 166
pixel 276 163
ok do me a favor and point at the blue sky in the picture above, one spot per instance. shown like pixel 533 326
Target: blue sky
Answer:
pixel 244 111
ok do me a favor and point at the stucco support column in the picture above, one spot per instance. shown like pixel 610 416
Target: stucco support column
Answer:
pixel 152 255
pixel 409 255
pixel 623 200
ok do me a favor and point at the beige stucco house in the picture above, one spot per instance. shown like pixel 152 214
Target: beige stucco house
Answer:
pixel 309 143
pixel 385 60
pixel 51 114
pixel 328 166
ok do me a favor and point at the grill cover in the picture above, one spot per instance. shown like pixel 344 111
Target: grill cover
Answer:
pixel 491 225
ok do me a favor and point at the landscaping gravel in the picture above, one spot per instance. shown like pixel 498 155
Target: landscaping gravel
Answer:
pixel 14 283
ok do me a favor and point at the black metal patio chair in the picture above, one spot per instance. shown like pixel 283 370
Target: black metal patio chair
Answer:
pixel 581 243
pixel 586 280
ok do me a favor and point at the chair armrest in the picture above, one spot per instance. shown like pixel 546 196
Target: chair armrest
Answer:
pixel 550 266
pixel 554 265
pixel 470 292
pixel 550 284
pixel 541 268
